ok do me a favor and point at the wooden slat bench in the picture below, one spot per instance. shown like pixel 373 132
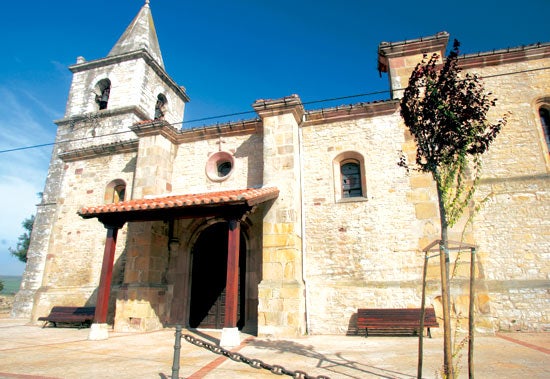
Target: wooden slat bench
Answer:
pixel 83 316
pixel 395 320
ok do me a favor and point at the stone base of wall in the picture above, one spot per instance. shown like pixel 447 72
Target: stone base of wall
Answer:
pixel 281 309
pixel 140 308
pixel 332 307
pixel 521 305
pixel 47 298
pixel 23 304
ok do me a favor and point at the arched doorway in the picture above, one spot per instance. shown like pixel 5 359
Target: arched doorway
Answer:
pixel 209 272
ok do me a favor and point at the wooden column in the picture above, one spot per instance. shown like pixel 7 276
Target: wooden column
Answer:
pixel 232 282
pixel 104 289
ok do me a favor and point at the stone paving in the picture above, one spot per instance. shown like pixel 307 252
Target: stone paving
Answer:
pixel 31 352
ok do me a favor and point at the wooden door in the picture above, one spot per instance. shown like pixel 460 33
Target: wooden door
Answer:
pixel 209 273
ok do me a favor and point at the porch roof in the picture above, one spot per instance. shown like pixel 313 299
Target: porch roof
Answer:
pixel 221 203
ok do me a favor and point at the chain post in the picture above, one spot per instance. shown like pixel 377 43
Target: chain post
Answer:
pixel 177 351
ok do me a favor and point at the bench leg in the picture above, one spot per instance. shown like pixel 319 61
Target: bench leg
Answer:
pixel 429 333
pixel 366 332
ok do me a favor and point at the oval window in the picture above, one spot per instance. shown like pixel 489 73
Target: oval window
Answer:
pixel 220 166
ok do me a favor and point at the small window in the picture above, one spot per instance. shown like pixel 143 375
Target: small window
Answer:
pixel 544 114
pixel 349 176
pixel 102 92
pixel 160 107
pixel 220 166
pixel 115 191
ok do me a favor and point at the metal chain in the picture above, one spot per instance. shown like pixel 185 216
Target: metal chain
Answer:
pixel 254 363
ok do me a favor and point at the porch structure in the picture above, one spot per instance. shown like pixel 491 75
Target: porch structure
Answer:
pixel 232 206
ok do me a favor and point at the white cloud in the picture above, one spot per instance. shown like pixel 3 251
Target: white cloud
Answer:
pixel 24 121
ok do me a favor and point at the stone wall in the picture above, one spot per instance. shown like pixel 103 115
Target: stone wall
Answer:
pixel 134 83
pixel 360 252
pixel 367 252
pixel 75 252
pixel 512 227
pixel 192 157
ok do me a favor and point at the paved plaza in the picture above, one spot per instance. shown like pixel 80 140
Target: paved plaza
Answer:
pixel 31 352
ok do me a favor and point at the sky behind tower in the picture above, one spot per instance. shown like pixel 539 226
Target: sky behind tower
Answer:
pixel 227 54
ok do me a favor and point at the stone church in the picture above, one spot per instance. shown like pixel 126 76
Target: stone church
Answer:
pixel 286 223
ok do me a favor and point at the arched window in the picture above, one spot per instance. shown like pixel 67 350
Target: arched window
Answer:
pixel 115 191
pixel 544 115
pixel 102 92
pixel 349 176
pixel 160 107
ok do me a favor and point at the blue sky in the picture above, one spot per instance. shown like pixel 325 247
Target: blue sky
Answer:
pixel 226 53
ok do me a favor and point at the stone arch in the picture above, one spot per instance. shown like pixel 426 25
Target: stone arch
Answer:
pixel 102 91
pixel 115 191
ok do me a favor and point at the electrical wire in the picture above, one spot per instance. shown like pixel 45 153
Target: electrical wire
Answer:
pixel 252 111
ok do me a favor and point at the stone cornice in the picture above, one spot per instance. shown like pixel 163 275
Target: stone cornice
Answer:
pixel 120 147
pixel 155 127
pixel 350 112
pixel 103 114
pixel 215 131
pixel 504 56
pixel 161 127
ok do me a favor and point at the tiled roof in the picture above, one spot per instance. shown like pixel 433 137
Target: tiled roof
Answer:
pixel 249 196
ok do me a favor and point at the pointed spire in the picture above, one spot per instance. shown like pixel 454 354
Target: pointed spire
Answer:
pixel 140 34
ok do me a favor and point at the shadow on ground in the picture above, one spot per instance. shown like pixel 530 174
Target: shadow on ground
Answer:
pixel 335 363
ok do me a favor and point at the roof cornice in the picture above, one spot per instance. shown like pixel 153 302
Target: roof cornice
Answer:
pixel 350 112
pixel 504 56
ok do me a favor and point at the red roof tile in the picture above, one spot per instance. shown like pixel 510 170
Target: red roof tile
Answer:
pixel 249 196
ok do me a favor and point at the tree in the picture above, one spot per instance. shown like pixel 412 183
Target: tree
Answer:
pixel 447 116
pixel 23 241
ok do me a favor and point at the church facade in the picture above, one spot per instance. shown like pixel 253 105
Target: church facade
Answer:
pixel 287 223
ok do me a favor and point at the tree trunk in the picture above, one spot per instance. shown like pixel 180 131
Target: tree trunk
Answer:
pixel 422 313
pixel 445 295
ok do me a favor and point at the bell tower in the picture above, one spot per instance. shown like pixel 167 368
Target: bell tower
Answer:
pixel 107 96
pixel 129 85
